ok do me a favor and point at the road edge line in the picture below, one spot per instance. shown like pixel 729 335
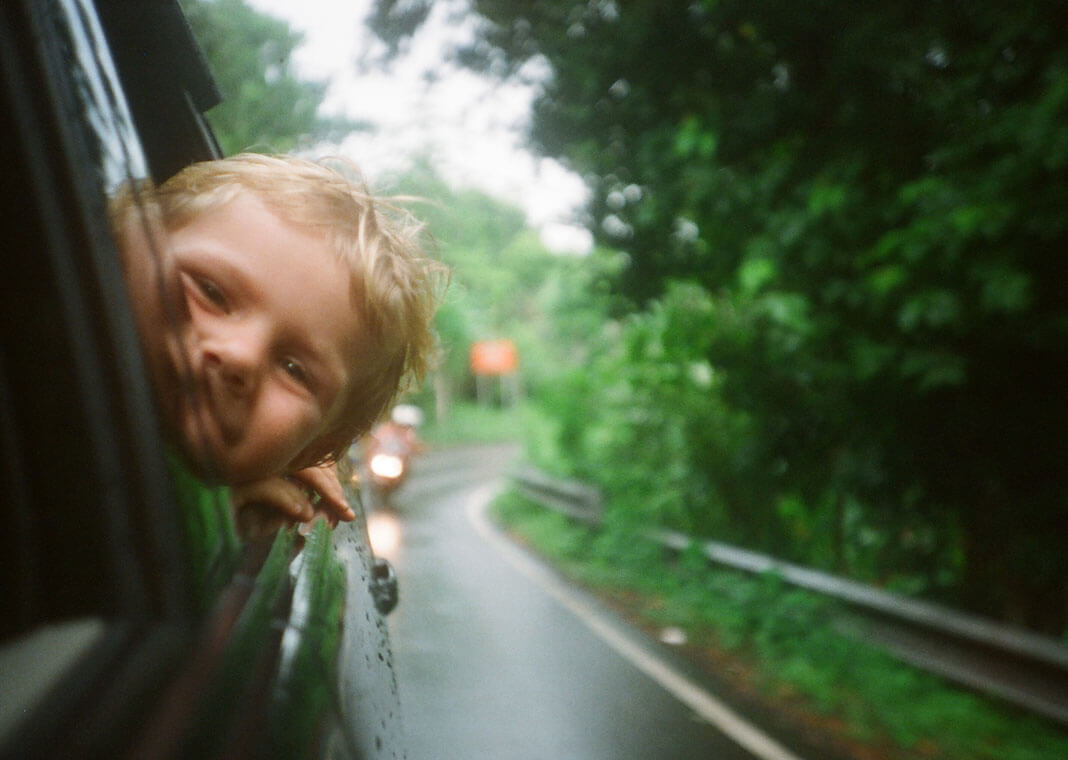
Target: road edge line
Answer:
pixel 691 694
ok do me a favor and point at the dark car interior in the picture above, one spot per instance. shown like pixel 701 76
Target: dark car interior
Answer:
pixel 76 413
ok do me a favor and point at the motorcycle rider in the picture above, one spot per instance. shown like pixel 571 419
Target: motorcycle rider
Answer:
pixel 393 443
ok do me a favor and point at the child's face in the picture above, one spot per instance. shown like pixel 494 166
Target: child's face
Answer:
pixel 267 329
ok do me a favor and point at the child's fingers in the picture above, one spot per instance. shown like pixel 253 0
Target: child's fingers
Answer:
pixel 324 481
pixel 277 493
pixel 255 521
pixel 343 513
pixel 339 510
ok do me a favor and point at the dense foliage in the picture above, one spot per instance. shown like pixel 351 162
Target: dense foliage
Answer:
pixel 504 282
pixel 844 236
pixel 789 647
pixel 265 107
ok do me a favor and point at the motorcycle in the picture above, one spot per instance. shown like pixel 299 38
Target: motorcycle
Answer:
pixel 387 469
pixel 388 453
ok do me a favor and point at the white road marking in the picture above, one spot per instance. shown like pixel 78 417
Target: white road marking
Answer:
pixel 684 689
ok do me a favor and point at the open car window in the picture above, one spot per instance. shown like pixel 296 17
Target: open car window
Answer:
pixel 135 623
pixel 80 443
pixel 96 558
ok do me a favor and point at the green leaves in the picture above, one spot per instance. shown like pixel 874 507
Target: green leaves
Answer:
pixel 851 219
pixel 935 309
pixel 1003 289
pixel 755 273
pixel 265 106
pixel 692 141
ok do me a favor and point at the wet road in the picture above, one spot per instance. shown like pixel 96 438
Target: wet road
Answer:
pixel 493 664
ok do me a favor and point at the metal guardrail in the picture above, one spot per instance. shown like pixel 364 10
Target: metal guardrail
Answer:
pixel 570 497
pixel 1018 666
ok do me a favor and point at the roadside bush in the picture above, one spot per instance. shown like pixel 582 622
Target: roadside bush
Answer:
pixel 656 416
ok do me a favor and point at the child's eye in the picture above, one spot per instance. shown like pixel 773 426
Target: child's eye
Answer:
pixel 295 370
pixel 211 292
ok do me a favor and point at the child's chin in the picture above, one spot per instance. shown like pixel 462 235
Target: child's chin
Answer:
pixel 205 467
pixel 214 464
pixel 204 452
pixel 208 466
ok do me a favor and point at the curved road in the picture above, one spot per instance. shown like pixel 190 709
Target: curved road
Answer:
pixel 497 660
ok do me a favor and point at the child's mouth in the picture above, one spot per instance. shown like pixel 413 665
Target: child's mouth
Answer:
pixel 224 410
pixel 194 417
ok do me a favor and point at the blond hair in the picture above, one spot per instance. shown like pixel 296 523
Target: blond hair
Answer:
pixel 395 287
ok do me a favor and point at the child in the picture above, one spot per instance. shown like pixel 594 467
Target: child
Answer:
pixel 281 310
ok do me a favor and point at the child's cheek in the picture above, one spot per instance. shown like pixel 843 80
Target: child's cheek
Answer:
pixel 290 427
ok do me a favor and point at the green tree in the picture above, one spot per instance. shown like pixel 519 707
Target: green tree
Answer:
pixel 265 107
pixel 873 194
pixel 498 266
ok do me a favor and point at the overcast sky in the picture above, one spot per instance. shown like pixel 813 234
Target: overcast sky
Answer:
pixel 471 127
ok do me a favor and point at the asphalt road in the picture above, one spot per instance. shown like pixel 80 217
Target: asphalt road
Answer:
pixel 497 660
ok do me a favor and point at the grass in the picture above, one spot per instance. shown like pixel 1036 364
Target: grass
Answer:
pixel 781 645
pixel 467 422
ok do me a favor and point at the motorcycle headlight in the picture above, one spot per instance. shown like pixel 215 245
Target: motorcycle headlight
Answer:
pixel 387 465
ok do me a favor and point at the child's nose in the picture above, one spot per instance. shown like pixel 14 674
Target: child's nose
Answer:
pixel 235 360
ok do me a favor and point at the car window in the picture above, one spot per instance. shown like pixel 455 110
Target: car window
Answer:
pixel 93 544
pixel 133 615
pixel 72 377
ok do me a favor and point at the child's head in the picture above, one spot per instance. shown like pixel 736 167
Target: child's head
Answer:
pixel 281 312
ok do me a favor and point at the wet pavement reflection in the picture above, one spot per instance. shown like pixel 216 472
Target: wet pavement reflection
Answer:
pixel 491 666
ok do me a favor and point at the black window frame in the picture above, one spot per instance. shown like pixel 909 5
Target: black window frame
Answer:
pixel 94 549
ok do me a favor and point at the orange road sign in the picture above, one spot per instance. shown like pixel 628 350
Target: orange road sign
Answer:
pixel 494 357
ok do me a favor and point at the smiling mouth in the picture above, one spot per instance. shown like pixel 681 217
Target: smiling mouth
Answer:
pixel 197 426
pixel 193 418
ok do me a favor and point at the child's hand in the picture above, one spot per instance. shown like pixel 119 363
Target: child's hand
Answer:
pixel 325 481
pixel 264 506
